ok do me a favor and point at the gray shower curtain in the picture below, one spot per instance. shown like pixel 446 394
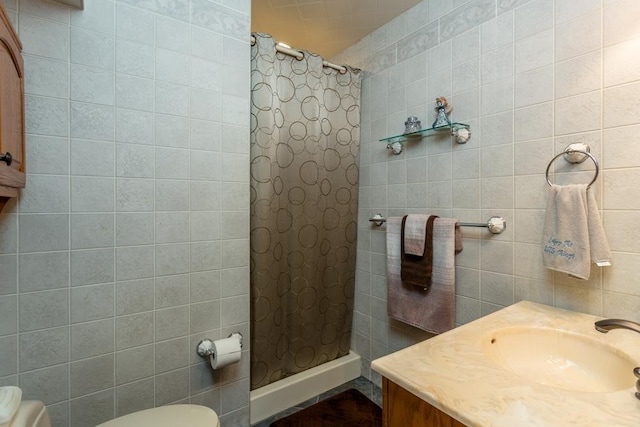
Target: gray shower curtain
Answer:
pixel 305 131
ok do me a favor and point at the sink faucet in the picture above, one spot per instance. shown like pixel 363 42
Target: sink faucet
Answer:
pixel 605 325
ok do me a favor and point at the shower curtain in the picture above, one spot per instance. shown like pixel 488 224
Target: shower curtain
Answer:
pixel 305 131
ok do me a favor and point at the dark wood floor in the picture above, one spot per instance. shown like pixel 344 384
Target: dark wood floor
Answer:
pixel 365 386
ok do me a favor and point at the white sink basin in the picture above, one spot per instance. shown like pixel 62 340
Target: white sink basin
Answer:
pixel 560 359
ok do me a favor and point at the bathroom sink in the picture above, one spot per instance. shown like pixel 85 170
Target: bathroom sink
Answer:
pixel 560 359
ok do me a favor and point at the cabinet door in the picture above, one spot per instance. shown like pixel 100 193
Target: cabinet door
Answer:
pixel 403 409
pixel 12 176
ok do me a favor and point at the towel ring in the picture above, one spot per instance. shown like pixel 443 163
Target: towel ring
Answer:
pixel 595 162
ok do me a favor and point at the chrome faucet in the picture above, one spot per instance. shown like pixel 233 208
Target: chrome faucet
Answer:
pixel 605 325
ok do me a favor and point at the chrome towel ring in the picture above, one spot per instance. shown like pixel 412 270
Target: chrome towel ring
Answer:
pixel 564 153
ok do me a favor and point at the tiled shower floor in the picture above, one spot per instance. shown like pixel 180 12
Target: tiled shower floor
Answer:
pixel 365 386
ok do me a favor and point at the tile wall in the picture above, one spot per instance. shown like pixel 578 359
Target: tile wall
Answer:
pixel 130 242
pixel 530 77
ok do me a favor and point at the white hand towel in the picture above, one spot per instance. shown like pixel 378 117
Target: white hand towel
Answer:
pixel 598 244
pixel 573 236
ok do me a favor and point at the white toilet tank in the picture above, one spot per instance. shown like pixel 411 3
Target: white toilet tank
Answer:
pixel 31 413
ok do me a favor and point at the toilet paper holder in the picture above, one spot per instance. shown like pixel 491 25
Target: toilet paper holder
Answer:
pixel 205 346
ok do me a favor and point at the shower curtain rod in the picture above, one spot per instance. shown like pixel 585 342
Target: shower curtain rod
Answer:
pixel 299 55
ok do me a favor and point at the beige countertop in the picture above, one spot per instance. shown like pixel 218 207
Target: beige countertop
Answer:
pixel 452 373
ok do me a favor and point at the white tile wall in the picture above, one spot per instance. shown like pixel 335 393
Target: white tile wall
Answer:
pixel 116 221
pixel 531 80
pixel 113 256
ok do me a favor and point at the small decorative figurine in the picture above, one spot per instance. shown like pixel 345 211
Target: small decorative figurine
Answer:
pixel 443 109
pixel 412 125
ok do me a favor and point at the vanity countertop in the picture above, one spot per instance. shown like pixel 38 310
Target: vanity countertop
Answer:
pixel 452 373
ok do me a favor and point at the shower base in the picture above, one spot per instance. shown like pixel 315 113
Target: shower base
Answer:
pixel 276 397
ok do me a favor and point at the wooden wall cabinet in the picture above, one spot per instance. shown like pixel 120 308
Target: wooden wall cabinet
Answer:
pixel 401 408
pixel 12 144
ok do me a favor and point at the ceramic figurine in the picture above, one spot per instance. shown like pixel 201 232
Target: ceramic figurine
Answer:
pixel 443 109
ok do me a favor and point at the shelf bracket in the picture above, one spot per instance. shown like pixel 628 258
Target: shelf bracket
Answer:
pixel 461 134
pixel 395 147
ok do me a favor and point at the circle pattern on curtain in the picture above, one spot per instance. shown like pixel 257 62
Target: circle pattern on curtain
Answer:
pixel 305 130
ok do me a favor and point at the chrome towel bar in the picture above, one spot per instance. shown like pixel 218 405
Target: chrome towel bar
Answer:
pixel 495 224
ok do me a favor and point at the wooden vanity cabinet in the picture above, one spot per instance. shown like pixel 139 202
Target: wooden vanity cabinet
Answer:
pixel 401 408
pixel 12 176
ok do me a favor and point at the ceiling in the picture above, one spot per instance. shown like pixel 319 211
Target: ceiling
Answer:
pixel 325 27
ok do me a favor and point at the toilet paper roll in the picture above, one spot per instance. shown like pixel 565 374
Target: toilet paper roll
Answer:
pixel 225 352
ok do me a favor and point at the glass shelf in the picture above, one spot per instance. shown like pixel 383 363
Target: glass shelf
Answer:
pixel 425 132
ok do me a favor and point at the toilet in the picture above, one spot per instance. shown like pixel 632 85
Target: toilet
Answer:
pixel 168 416
pixel 32 413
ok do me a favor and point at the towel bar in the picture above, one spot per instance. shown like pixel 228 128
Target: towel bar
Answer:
pixel 495 224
